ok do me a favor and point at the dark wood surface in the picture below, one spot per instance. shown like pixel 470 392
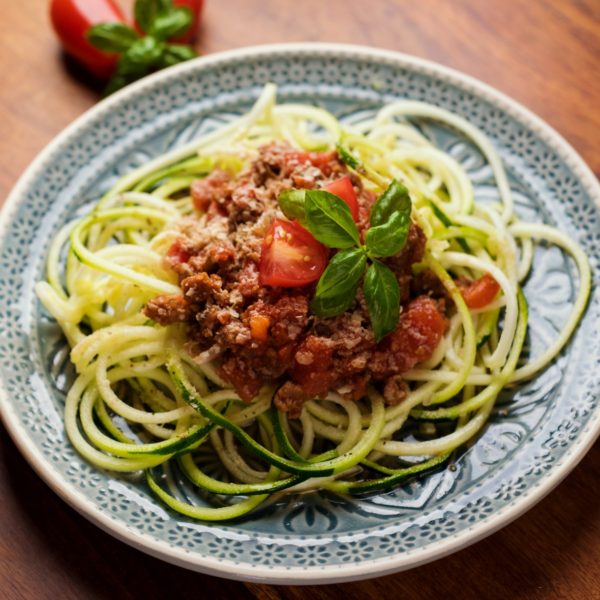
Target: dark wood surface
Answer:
pixel 546 54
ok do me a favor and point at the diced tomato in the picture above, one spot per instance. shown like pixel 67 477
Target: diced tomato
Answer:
pixel 290 256
pixel 343 188
pixel 314 378
pixel 177 254
pixel 321 160
pixel 242 376
pixel 420 330
pixel 480 292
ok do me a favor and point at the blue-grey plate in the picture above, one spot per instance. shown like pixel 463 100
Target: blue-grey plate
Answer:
pixel 537 434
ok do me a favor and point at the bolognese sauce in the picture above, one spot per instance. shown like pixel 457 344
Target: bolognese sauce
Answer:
pixel 247 276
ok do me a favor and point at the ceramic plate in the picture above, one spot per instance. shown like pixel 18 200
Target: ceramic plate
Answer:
pixel 537 434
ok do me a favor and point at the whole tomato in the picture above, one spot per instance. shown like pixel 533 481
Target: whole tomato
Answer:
pixel 196 7
pixel 72 18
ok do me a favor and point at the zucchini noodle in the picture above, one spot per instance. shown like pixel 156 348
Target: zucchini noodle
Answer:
pixel 140 401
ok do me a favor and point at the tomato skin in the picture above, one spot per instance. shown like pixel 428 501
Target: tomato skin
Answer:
pixel 283 259
pixel 72 18
pixel 343 188
pixel 480 292
pixel 196 7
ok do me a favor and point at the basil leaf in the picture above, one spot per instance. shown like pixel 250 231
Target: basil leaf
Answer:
pixel 347 157
pixel 116 82
pixel 342 273
pixel 291 203
pixel 334 306
pixel 382 294
pixel 145 12
pixel 388 239
pixel 125 73
pixel 111 37
pixel 145 52
pixel 394 199
pixel 328 218
pixel 176 53
pixel 172 23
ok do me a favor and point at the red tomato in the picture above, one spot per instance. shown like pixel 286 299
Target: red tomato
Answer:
pixel 480 292
pixel 343 188
pixel 177 254
pixel 419 332
pixel 290 256
pixel 196 7
pixel 72 18
pixel 292 157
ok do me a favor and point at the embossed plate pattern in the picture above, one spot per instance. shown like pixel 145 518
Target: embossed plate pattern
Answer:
pixel 538 431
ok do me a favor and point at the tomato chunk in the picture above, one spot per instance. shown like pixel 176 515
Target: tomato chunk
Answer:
pixel 418 334
pixel 290 256
pixel 177 254
pixel 480 292
pixel 343 188
pixel 421 328
pixel 316 159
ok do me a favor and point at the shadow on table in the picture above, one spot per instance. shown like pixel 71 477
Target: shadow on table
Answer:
pixel 47 550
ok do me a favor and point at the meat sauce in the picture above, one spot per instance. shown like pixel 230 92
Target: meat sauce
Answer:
pixel 263 334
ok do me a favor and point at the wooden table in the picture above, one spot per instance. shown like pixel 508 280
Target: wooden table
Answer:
pixel 544 54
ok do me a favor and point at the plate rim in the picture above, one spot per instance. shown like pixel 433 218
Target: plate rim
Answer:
pixel 303 575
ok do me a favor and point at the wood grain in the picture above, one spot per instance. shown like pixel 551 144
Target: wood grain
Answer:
pixel 544 54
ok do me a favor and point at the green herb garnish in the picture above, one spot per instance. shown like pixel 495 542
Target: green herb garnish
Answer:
pixel 382 294
pixel 141 55
pixel 328 218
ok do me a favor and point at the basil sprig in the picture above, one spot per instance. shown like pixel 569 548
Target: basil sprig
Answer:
pixel 141 55
pixel 329 220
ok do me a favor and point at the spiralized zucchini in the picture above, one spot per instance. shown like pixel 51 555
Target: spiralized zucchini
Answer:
pixel 140 401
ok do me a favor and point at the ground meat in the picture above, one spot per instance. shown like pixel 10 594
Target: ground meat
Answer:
pixel 427 283
pixel 290 398
pixel 212 190
pixel 311 369
pixel 266 334
pixel 202 288
pixel 166 310
pixel 395 390
pixel 287 317
pixel 245 380
pixel 248 283
pixel 213 258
